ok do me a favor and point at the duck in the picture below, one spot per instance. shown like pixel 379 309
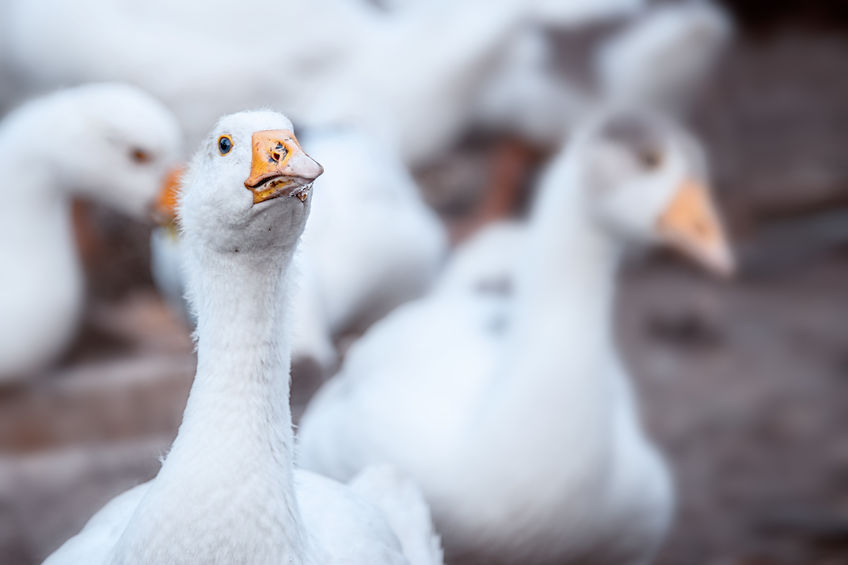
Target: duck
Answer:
pixel 228 490
pixel 371 244
pixel 107 142
pixel 502 393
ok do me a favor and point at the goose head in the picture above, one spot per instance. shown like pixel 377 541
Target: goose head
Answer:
pixel 248 186
pixel 111 143
pixel 647 183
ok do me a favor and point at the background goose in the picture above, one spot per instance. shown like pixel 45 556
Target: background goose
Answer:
pixel 510 406
pixel 227 491
pixel 340 70
pixel 371 242
pixel 106 142
pixel 664 57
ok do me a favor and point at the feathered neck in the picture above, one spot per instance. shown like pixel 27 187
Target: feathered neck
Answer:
pixel 230 468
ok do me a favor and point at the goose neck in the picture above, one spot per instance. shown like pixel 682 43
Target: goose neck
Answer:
pixel 231 462
pixel 243 350
pixel 553 389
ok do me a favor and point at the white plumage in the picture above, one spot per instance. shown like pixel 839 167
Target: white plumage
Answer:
pixel 202 60
pixel 664 57
pixel 371 242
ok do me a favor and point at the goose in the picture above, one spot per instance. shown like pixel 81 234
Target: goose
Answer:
pixel 228 491
pixel 664 57
pixel 339 70
pixel 371 244
pixel 506 400
pixel 110 143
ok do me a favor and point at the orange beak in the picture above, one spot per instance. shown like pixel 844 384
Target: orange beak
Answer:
pixel 165 207
pixel 691 225
pixel 279 167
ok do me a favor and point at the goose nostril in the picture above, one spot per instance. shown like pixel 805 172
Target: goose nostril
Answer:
pixel 278 152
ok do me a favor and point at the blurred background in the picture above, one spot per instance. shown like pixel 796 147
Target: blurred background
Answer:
pixel 744 382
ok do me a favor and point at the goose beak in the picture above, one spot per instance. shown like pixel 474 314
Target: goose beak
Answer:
pixel 279 167
pixel 165 207
pixel 691 225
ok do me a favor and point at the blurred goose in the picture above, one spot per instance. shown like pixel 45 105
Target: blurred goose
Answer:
pixel 228 491
pixel 508 403
pixel 108 142
pixel 663 57
pixel 371 243
pixel 337 70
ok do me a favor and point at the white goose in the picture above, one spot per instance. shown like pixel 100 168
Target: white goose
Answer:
pixel 510 407
pixel 341 66
pixel 370 245
pixel 108 142
pixel 664 57
pixel 228 491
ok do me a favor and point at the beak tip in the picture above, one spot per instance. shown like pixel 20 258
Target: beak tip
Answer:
pixel 723 264
pixel 317 171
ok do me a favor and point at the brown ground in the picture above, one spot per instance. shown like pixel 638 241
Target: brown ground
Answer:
pixel 744 383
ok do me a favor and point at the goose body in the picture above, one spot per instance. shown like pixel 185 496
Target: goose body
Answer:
pixel 663 57
pixel 371 242
pixel 228 491
pixel 363 522
pixel 508 403
pixel 342 69
pixel 108 142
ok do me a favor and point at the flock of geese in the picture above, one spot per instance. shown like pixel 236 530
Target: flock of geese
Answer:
pixel 485 415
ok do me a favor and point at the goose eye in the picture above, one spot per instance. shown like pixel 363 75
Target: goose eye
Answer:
pixel 650 159
pixel 139 155
pixel 225 144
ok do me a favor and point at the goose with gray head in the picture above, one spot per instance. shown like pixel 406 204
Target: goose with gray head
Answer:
pixel 228 491
pixel 508 402
pixel 109 143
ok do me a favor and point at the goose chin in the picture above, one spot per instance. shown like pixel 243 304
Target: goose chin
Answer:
pixel 280 187
pixel 302 193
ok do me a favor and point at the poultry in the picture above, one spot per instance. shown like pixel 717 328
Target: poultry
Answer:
pixel 664 57
pixel 110 143
pixel 353 271
pixel 342 69
pixel 227 491
pixel 364 268
pixel 506 400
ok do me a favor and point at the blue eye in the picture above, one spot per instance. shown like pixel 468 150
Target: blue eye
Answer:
pixel 225 144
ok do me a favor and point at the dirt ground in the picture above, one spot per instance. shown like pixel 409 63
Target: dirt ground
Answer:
pixel 744 383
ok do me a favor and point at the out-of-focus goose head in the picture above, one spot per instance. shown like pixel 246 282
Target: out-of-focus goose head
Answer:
pixel 116 144
pixel 647 183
